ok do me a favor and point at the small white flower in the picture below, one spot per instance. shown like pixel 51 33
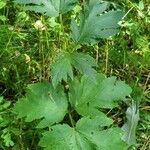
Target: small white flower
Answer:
pixel 39 25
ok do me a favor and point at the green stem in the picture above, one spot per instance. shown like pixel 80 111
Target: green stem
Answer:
pixel 97 54
pixel 71 120
pixel 106 59
pixel 63 31
pixel 40 54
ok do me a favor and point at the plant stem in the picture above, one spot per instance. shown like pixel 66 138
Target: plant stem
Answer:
pixel 106 59
pixel 97 54
pixel 63 31
pixel 71 120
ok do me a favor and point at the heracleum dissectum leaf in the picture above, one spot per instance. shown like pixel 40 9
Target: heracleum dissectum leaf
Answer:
pixel 111 91
pixel 64 63
pixel 130 126
pixel 95 23
pixel 64 137
pixel 42 102
pixel 61 69
pixel 87 96
pixel 84 63
pixel 92 129
pixel 110 139
pixel 51 8
pixel 88 134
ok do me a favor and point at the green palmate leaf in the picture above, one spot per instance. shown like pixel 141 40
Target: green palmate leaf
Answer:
pixel 49 7
pixel 130 126
pixel 42 102
pixel 93 130
pixel 64 63
pixel 95 22
pixel 87 135
pixel 111 92
pixel 63 136
pixel 61 69
pixel 110 138
pixel 82 95
pixel 87 96
pixel 84 63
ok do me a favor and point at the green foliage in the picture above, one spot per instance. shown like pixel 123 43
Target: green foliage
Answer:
pixel 5 121
pixel 64 63
pixel 86 97
pixel 57 50
pixel 87 135
pixel 2 5
pixel 95 23
pixel 61 68
pixel 131 52
pixel 7 137
pixel 43 102
pixel 51 8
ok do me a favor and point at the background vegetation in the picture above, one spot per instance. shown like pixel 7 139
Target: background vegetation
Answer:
pixel 26 42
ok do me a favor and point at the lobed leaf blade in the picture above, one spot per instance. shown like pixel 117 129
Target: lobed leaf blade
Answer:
pixel 62 68
pixel 87 97
pixel 42 102
pixel 96 22
pixel 87 135
pixel 51 8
